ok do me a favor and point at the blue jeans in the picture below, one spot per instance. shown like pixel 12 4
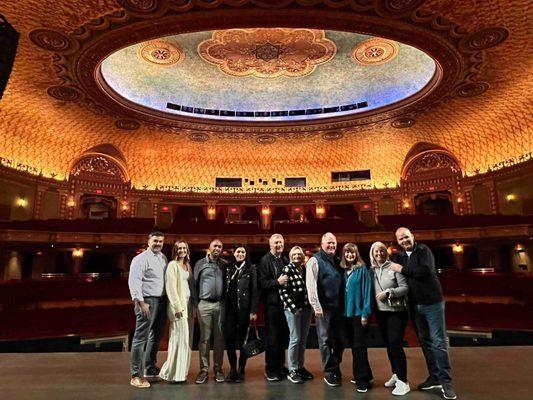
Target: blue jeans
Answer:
pixel 329 330
pixel 431 330
pixel 298 329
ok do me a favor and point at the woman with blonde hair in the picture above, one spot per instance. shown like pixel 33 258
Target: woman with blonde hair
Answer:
pixel 298 314
pixel 178 281
pixel 357 309
pixel 391 313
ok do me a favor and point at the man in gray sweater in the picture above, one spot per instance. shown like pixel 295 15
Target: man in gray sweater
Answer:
pixel 208 293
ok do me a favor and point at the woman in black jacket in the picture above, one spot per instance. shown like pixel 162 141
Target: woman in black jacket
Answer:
pixel 241 308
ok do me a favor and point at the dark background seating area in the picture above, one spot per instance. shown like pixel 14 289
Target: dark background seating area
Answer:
pixel 54 307
pixel 428 222
pixel 111 225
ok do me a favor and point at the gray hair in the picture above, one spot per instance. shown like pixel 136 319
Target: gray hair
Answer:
pixel 373 261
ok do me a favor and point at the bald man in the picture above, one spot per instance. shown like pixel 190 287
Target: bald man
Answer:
pixel 324 281
pixel 208 293
pixel 270 279
pixel 417 264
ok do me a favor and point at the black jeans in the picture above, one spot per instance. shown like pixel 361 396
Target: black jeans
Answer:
pixel 355 336
pixel 235 327
pixel 392 326
pixel 277 337
pixel 148 332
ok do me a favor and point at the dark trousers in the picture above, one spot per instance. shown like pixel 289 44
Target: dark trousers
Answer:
pixel 148 333
pixel 392 326
pixel 356 334
pixel 430 327
pixel 329 330
pixel 236 325
pixel 277 337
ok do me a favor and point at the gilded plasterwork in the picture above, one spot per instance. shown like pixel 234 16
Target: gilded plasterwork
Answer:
pixel 267 52
pixel 375 51
pixel 160 52
pixel 40 134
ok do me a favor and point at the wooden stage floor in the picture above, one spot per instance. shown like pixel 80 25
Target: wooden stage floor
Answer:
pixel 480 373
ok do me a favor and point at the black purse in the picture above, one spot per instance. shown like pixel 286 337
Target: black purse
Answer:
pixel 252 346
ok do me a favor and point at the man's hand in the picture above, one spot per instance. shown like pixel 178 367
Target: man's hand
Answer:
pixel 396 267
pixel 364 321
pixel 253 317
pixel 283 279
pixel 319 314
pixel 179 314
pixel 145 309
pixel 382 295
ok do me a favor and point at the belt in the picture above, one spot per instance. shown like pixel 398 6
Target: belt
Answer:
pixel 211 300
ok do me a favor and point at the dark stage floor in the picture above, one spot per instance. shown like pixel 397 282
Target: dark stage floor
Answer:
pixel 480 373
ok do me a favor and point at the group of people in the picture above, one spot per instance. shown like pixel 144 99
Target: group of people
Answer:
pixel 341 292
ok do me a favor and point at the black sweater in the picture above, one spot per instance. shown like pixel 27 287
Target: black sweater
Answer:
pixel 419 269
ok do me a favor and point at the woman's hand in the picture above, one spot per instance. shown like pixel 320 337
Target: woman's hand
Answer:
pixel 253 317
pixel 381 296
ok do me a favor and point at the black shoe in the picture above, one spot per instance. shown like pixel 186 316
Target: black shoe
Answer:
pixel 332 380
pixel 240 375
pixel 151 372
pixel 362 387
pixel 232 375
pixel 429 384
pixel 448 392
pixel 284 371
pixel 305 374
pixel 294 377
pixel 272 376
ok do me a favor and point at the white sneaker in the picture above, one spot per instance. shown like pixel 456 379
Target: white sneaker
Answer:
pixel 401 388
pixel 392 381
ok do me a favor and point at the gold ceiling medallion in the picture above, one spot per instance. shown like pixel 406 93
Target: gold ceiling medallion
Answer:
pixel 375 51
pixel 267 52
pixel 160 52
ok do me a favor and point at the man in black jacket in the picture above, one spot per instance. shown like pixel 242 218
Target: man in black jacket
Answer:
pixel 270 280
pixel 417 264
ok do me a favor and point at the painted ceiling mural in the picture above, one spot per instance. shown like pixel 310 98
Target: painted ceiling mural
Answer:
pixel 265 70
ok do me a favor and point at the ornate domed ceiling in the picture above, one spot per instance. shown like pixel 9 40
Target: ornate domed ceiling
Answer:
pixel 266 74
pixel 464 86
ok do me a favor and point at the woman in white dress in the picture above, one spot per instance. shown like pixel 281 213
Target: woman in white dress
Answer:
pixel 178 278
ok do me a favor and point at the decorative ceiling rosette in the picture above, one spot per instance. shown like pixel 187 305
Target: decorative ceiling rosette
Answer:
pixel 161 52
pixel 375 51
pixel 267 52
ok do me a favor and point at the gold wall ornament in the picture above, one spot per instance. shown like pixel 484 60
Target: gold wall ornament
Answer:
pixel 375 51
pixel 267 52
pixel 98 165
pixel 160 52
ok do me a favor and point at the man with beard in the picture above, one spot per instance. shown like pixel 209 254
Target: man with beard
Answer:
pixel 426 304
pixel 147 287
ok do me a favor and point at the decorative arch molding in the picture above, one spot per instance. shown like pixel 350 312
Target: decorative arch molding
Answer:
pixel 103 162
pixel 426 158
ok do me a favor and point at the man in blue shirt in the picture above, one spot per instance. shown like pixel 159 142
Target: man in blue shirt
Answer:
pixel 147 287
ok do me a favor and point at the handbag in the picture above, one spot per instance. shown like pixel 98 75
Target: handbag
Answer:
pixel 252 346
pixel 397 302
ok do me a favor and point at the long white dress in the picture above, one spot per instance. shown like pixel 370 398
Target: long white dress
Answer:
pixel 176 367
